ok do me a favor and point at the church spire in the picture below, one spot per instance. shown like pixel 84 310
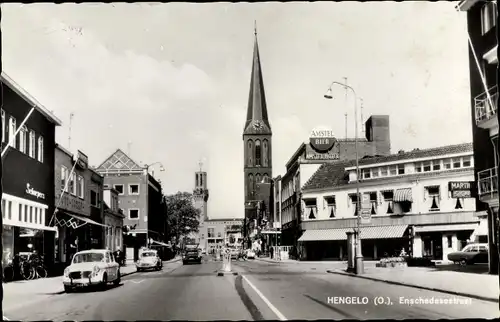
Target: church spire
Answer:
pixel 257 120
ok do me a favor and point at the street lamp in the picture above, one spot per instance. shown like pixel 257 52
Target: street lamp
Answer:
pixel 359 256
pixel 147 166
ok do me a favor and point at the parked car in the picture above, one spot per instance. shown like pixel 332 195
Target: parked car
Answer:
pixel 149 260
pixel 191 255
pixel 250 254
pixel 90 268
pixel 470 254
pixel 235 253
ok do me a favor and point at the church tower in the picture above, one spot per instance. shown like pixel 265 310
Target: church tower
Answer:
pixel 257 136
pixel 200 199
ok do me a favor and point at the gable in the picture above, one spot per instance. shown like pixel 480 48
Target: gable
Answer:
pixel 119 162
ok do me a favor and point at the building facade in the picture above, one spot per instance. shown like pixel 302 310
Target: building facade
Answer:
pixel 113 220
pixel 257 151
pixel 420 201
pixel 140 200
pixel 220 232
pixel 306 161
pixel 28 174
pixel 482 18
pixel 78 192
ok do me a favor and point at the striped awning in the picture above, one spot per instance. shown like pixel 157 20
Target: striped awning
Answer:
pixel 373 232
pixel 401 195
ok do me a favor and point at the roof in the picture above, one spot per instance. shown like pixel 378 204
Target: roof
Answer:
pixel 119 162
pixel 257 107
pixel 30 99
pixel 334 174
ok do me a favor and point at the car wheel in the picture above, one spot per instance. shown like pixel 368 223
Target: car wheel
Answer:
pixel 67 289
pixel 118 279
pixel 463 262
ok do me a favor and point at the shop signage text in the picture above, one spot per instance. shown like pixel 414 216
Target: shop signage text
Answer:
pixel 461 189
pixel 72 203
pixel 33 192
pixel 322 141
pixel 322 156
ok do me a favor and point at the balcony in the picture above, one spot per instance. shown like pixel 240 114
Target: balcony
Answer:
pixel 488 184
pixel 486 111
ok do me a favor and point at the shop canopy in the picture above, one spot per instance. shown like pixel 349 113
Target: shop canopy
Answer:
pixel 372 232
pixel 402 195
pixel 64 219
pixel 447 227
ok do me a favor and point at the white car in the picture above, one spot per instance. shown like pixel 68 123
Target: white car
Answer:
pixel 250 254
pixel 149 259
pixel 91 267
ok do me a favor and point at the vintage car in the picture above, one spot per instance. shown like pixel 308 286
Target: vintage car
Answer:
pixel 149 259
pixel 191 255
pixel 250 254
pixel 470 254
pixel 90 268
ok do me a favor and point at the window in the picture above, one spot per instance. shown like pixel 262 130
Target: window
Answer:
pixel 374 202
pixel 94 198
pixel 12 132
pixel 211 232
pixel 72 185
pixel 365 173
pixel 3 125
pixel 388 198
pixel 457 162
pixel 450 241
pixel 489 16
pixel 40 149
pixel 447 164
pixel 133 189
pixel 311 208
pixel 436 165
pixel 197 180
pixel 219 235
pixel 434 195
pixel 119 188
pixel 383 171
pixel 133 214
pixel 393 170
pixel 401 169
pixel 265 150
pixel 257 153
pixel 64 177
pixel 80 191
pixel 250 153
pixel 375 172
pixel 32 144
pixel 467 162
pixel 418 167
pixel 330 201
pixel 22 139
pixel 426 166
pixel 250 186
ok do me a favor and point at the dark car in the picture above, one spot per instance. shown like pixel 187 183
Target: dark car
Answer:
pixel 191 255
pixel 470 254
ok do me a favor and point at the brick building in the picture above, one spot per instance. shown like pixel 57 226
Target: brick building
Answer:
pixel 482 18
pixel 28 173
pixel 140 200
pixel 305 162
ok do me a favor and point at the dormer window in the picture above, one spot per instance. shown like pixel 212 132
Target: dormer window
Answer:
pixel 330 201
pixel 375 172
pixel 365 173
pixel 393 170
pixel 401 169
pixel 311 208
pixel 433 194
pixel 426 166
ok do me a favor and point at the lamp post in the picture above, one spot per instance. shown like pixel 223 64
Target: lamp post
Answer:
pixel 359 267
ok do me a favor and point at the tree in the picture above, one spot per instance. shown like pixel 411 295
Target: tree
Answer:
pixel 181 215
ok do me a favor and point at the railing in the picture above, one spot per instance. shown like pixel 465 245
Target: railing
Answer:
pixel 483 107
pixel 488 182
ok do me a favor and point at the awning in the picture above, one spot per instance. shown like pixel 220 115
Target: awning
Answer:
pixel 450 227
pixel 160 244
pixel 403 195
pixel 269 232
pixel 74 221
pixel 372 232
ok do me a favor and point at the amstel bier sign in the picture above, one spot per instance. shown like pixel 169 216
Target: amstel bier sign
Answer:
pixel 323 145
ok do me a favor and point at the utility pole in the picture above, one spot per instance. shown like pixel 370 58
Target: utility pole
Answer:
pixel 345 107
pixel 70 123
pixel 361 108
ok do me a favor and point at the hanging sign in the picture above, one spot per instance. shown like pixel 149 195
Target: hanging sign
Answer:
pixel 322 140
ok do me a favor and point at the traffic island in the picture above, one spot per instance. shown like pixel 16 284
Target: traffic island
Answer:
pixel 226 266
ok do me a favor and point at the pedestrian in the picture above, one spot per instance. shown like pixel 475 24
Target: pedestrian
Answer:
pixel 271 249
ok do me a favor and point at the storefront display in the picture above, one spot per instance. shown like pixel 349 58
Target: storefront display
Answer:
pixel 8 244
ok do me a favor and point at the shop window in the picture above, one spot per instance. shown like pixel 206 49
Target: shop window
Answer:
pixel 119 188
pixel 133 189
pixel 3 125
pixel 133 214
pixel 449 241
pixel 40 149
pixel 64 177
pixel 32 144
pixel 22 139
pixel 12 131
pixel 447 164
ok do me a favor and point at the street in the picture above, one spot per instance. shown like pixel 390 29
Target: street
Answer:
pixel 260 291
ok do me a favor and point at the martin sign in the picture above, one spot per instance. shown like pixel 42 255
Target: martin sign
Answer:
pixel 461 189
pixel 322 141
pixel 33 192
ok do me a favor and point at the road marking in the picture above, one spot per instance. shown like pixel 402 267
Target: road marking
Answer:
pixel 269 304
pixel 136 282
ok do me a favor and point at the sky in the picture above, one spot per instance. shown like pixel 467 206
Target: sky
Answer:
pixel 170 82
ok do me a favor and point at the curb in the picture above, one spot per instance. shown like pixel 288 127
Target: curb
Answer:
pixel 478 297
pixel 166 262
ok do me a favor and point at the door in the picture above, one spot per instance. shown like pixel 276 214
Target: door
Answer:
pixel 108 266
pixel 482 256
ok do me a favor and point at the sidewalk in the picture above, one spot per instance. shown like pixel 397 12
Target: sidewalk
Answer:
pixel 479 286
pixel 335 263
